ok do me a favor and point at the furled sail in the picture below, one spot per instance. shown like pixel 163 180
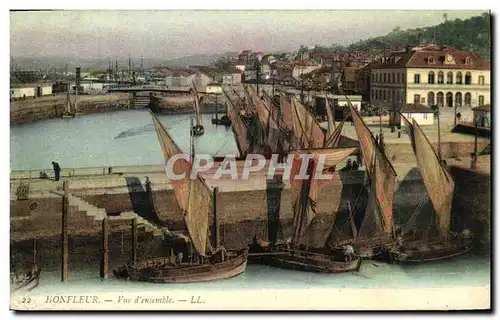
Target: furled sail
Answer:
pixel 437 179
pixel 239 127
pixel 286 110
pixel 180 166
pixel 409 130
pixel 333 140
pixel 384 177
pixel 260 108
pixel 364 137
pixel 373 224
pixel 305 192
pixel 306 128
pixel 331 120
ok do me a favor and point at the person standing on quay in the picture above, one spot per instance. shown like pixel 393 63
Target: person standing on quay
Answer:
pixel 57 170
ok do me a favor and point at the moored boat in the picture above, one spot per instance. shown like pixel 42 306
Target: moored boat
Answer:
pixel 440 186
pixel 195 202
pixel 165 270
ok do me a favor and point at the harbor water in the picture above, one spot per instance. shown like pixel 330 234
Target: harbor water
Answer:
pixel 125 138
pixel 120 138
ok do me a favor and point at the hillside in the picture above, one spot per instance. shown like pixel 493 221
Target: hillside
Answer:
pixel 471 34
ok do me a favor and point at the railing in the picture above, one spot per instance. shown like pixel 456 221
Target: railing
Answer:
pixel 91 171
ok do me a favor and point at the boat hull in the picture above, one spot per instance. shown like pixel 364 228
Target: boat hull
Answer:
pixel 28 284
pixel 298 260
pixel 159 271
pixel 419 253
pixel 312 263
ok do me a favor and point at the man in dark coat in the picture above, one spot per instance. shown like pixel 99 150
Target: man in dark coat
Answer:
pixel 57 170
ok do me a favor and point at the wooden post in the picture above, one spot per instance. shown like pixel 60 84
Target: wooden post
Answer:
pixel 216 219
pixel 134 240
pixel 105 250
pixel 64 233
pixel 351 218
pixel 439 134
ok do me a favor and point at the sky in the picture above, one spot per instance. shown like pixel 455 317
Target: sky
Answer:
pixel 172 34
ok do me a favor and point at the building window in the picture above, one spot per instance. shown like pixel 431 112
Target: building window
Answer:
pixel 440 77
pixel 430 78
pixel 440 99
pixel 403 77
pixel 431 60
pixel 449 77
pixel 416 98
pixel 458 99
pixel 467 99
pixel 481 101
pixel 417 78
pixel 481 80
pixel 384 96
pixel 385 77
pixel 468 60
pixel 393 78
pixel 459 78
pixel 399 78
pixel 468 78
pixel 430 99
pixel 449 99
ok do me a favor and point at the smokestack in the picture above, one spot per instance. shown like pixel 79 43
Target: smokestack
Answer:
pixel 77 79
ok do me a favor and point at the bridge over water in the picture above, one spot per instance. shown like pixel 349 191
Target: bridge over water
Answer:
pixel 149 88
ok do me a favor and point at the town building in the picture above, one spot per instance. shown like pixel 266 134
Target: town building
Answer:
pixel 431 75
pixel 30 90
pixel 303 67
pixel 214 88
pixel 422 114
pixel 244 56
pixel 179 78
pixel 229 77
pixel 349 80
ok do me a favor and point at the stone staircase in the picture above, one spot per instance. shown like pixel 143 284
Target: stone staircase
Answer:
pixel 98 214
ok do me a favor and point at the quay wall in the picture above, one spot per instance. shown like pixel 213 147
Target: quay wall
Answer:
pixel 29 110
pixel 246 211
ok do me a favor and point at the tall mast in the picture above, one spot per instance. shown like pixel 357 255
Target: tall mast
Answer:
pixel 191 135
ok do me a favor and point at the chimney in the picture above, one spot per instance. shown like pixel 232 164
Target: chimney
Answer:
pixel 408 48
pixel 77 79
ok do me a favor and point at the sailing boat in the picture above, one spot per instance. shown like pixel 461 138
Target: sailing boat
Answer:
pixel 198 129
pixel 194 200
pixel 224 120
pixel 68 113
pixel 376 232
pixel 27 281
pixel 440 187
pixel 295 254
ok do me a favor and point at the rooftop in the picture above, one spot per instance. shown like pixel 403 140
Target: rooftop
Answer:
pixel 432 56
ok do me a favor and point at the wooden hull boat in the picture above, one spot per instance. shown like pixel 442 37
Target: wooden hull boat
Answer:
pixel 418 252
pixel 369 247
pixel 161 270
pixel 27 284
pixel 309 261
pixel 224 120
pixel 198 130
pixel 312 262
pixel 68 116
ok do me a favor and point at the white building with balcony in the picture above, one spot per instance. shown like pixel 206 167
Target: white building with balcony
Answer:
pixel 431 75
